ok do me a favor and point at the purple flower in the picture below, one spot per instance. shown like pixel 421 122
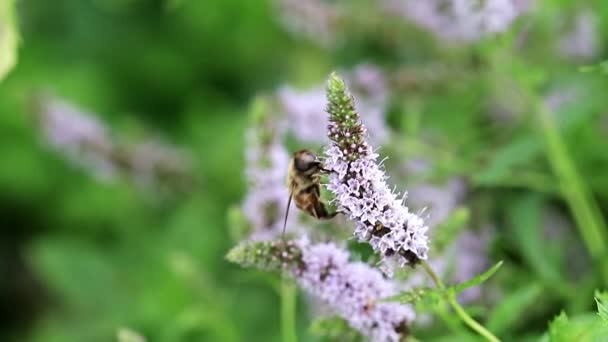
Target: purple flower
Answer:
pixel 314 19
pixel 308 121
pixel 350 289
pixel 154 160
pixel 463 20
pixel 359 184
pixel 266 167
pixel 583 41
pixel 88 143
pixel 467 254
pixel 304 111
pixel 83 139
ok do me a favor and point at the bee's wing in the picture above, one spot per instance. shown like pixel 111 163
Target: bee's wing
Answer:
pixel 286 214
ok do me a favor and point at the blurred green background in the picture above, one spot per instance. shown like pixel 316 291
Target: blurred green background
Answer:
pixel 81 258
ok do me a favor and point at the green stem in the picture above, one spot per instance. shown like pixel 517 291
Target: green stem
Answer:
pixel 589 220
pixel 288 310
pixel 462 314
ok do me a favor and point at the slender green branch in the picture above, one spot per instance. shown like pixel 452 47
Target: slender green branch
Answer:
pixel 575 192
pixel 462 314
pixel 288 310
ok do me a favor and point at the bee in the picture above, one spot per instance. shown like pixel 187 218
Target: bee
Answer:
pixel 303 179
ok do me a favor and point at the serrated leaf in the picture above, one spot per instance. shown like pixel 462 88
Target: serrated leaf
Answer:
pixel 512 308
pixel 582 328
pixel 560 330
pixel 481 278
pixel 8 37
pixel 601 298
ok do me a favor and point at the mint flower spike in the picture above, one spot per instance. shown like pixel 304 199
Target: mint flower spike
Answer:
pixel 352 290
pixel 359 184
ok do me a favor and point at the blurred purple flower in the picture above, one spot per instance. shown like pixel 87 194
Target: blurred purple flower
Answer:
pixel 305 109
pixel 466 256
pixel 305 112
pixel 83 139
pixel 86 142
pixel 583 41
pixel 316 20
pixel 439 200
pixel 359 184
pixel 154 161
pixel 463 20
pixel 266 166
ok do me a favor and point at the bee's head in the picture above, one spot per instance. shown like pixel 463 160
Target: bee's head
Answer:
pixel 306 161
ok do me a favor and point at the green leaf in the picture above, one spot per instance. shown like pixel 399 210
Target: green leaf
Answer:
pixel 238 226
pixel 424 293
pixel 518 152
pixel 524 220
pixel 481 278
pixel 450 228
pixel 8 37
pixel 335 329
pixel 512 308
pixel 601 68
pixel 128 335
pixel 601 298
pixel 582 328
pixel 560 329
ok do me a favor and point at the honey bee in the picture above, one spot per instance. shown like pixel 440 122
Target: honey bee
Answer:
pixel 303 178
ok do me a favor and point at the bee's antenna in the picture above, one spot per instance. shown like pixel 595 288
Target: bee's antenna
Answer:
pixel 286 214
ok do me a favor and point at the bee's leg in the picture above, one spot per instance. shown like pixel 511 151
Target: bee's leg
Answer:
pixel 313 212
pixel 323 213
pixel 331 215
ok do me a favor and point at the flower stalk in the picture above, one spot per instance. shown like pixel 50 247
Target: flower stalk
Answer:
pixel 462 314
pixel 288 310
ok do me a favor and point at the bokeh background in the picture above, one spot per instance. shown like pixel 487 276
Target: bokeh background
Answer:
pixel 130 229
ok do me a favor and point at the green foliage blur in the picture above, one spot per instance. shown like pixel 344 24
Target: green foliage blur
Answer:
pixel 81 259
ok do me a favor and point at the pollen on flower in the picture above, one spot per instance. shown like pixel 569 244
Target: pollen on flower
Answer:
pixel 359 184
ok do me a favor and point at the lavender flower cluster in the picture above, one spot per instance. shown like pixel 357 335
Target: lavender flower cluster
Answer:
pixel 464 20
pixel 314 19
pixel 87 142
pixel 83 139
pixel 359 184
pixel 351 289
pixel 583 40
pixel 459 20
